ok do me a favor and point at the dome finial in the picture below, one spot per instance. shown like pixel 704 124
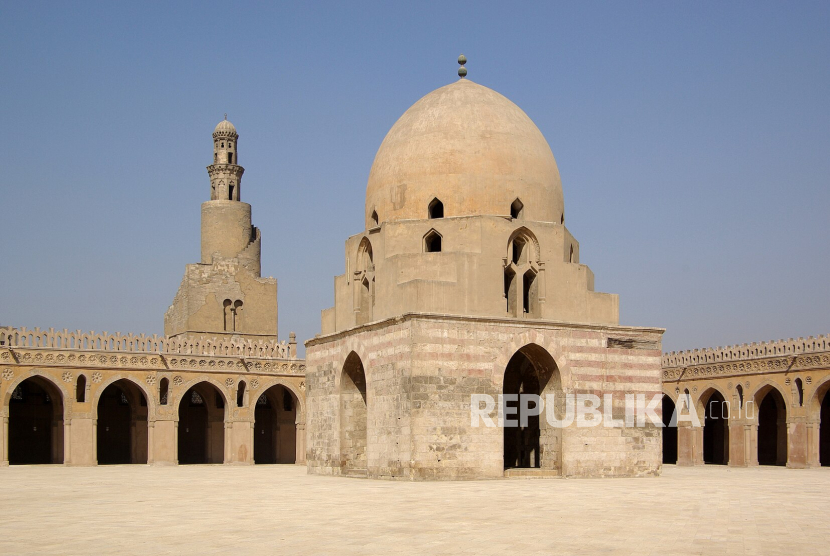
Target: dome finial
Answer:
pixel 462 71
pixel 226 116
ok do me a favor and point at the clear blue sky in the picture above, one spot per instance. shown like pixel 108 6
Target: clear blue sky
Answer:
pixel 693 140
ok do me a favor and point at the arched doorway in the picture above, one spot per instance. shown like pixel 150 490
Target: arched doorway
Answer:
pixel 353 417
pixel 35 423
pixel 122 424
pixel 202 425
pixel 772 428
pixel 824 431
pixel 275 426
pixel 534 444
pixel 669 432
pixel 715 430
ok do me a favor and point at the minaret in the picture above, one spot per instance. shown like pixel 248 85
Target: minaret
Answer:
pixel 225 293
pixel 225 172
pixel 226 221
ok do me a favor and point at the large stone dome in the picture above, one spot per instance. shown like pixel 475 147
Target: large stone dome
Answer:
pixel 471 148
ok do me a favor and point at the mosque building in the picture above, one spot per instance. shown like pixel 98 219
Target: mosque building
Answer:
pixel 464 282
pixel 217 388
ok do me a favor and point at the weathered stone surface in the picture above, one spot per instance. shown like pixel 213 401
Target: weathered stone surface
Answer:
pixel 792 376
pixel 225 294
pixel 422 369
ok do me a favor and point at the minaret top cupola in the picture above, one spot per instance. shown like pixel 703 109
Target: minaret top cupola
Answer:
pixel 225 172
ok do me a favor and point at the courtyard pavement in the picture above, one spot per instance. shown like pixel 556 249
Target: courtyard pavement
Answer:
pixel 281 510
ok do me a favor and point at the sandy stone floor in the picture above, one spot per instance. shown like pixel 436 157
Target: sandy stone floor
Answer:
pixel 281 510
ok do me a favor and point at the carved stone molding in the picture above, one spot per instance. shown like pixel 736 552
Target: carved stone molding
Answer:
pixel 770 365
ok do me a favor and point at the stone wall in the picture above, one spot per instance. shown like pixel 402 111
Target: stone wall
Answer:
pixel 422 369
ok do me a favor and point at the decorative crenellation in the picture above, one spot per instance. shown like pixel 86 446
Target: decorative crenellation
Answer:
pixel 157 345
pixel 743 352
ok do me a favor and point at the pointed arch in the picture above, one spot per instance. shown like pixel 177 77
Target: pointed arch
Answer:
pixel 64 395
pixel 37 409
pixel 819 411
pixel 99 389
pixel 713 405
pixel 771 418
pixel 202 411
pixel 364 276
pixel 765 388
pixel 518 342
pixel 669 433
pixel 164 390
pixel 240 394
pixel 121 410
pixel 527 239
pixel 353 410
pixel 530 294
pixel 435 209
pixel 365 256
pixel 799 390
pixel 277 410
pixel 532 370
pixel 705 395
pixel 296 393
pixel 432 241
pixel 522 280
pixel 80 388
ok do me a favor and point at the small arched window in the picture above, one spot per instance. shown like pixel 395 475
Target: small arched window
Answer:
pixel 227 315
pixel 375 220
pixel 510 290
pixel 230 158
pixel 432 242
pixel 365 257
pixel 237 315
pixel 164 385
pixel 80 389
pixel 240 394
pixel 530 297
pixel 436 209
pixel 519 250
pixel 740 390
pixel 562 219
pixel 799 386
pixel 571 256
pixel 516 209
